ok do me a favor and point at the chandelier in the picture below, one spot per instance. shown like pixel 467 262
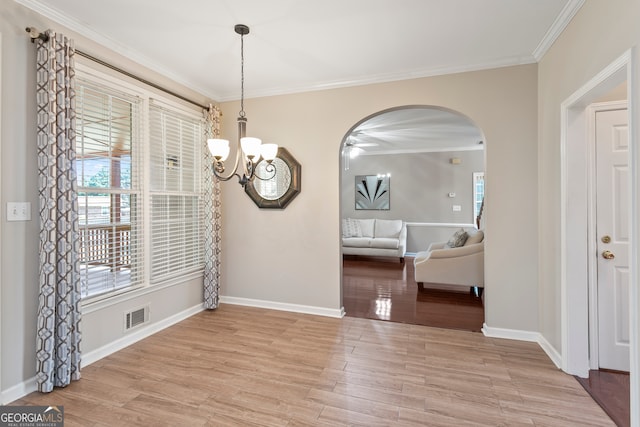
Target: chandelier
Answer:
pixel 249 149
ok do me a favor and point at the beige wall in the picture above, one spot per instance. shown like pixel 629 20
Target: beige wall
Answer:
pixel 598 34
pixel 293 256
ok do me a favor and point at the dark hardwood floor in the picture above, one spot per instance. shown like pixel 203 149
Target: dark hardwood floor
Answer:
pixel 610 390
pixel 385 289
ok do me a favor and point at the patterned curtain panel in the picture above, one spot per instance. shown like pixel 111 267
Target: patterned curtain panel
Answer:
pixel 212 215
pixel 58 333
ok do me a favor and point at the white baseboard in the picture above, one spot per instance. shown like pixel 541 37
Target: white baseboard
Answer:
pixel 139 334
pixel 281 306
pixel 515 334
pixel 19 390
pixel 30 385
pixel 551 352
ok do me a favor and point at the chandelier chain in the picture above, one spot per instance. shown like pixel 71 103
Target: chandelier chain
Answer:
pixel 242 113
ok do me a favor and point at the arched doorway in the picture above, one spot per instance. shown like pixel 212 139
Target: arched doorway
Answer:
pixel 433 162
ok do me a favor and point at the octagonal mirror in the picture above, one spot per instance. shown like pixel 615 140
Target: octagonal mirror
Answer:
pixel 278 190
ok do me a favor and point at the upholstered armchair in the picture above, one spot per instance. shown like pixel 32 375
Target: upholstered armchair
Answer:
pixel 462 265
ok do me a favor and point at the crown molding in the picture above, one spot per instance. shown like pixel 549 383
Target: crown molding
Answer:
pixel 387 78
pixel 108 43
pixel 566 15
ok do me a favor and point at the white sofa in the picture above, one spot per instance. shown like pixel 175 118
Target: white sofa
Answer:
pixel 374 237
pixel 462 265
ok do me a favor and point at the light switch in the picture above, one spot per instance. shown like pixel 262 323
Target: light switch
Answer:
pixel 452 195
pixel 456 208
pixel 18 211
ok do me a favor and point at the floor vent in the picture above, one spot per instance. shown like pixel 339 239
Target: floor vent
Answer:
pixel 135 318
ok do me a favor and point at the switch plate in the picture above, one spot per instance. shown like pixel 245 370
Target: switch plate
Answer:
pixel 456 208
pixel 18 211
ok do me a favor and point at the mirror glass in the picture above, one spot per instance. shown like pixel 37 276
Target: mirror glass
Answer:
pixel 277 191
pixel 274 188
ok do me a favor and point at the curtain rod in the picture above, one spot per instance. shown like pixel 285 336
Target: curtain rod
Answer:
pixel 35 34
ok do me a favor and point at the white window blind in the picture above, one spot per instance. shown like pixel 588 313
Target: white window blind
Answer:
pixel 175 190
pixel 109 189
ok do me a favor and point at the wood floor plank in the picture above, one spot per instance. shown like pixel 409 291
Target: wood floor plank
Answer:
pixel 244 366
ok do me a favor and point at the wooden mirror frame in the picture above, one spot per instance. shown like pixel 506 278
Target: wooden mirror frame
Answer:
pixel 294 189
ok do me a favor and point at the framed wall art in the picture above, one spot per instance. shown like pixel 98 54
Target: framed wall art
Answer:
pixel 373 192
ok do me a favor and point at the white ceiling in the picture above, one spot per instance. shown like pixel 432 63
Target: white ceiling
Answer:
pixel 413 130
pixel 297 45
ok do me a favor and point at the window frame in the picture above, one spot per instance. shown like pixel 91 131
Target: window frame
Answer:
pixel 121 83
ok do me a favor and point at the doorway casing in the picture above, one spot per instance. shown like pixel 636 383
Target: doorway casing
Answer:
pixel 576 241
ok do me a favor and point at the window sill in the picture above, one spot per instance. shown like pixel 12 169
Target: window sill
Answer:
pixel 104 301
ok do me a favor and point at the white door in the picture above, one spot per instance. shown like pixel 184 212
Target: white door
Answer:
pixel 612 227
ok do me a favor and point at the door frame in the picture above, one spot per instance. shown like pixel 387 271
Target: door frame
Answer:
pixel 574 210
pixel 592 247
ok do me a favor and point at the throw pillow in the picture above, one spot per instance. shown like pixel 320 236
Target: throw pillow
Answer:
pixel 474 238
pixel 458 239
pixel 351 228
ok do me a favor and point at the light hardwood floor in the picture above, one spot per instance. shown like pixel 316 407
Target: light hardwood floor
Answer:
pixel 241 366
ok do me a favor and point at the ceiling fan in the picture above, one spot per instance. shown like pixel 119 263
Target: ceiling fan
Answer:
pixel 353 148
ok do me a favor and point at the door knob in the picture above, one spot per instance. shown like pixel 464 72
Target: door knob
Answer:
pixel 608 255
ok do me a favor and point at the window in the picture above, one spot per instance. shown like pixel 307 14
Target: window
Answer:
pixel 139 187
pixel 478 193
pixel 176 203
pixel 108 148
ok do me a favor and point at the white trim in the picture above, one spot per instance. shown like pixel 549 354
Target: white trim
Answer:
pixel 558 26
pixel 592 253
pixel 633 100
pixel 138 334
pixel 510 334
pixel 19 390
pixel 99 304
pixel 514 334
pixel 573 129
pixel 553 354
pixel 574 322
pixel 30 385
pixel 421 150
pixel 2 401
pixel 281 306
pixel 440 224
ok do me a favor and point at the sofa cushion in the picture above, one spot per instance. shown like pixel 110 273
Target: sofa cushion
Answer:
pixel 385 243
pixel 388 228
pixel 458 239
pixel 366 225
pixel 473 238
pixel 351 228
pixel 356 242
